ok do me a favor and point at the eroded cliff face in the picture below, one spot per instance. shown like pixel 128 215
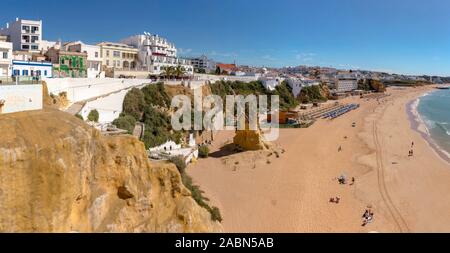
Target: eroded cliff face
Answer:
pixel 59 175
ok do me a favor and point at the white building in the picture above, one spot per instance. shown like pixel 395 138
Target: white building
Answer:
pixel 171 149
pixel 45 45
pixel 24 34
pixel 345 85
pixel 297 84
pixel 32 69
pixel 204 64
pixel 270 83
pixel 94 60
pixel 156 53
pixel 5 57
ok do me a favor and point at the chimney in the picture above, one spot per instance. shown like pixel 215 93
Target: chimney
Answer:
pixel 17 19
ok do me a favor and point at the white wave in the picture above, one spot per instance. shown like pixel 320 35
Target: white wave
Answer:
pixel 418 118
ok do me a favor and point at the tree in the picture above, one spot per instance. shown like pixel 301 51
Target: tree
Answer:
pixel 168 71
pixel 179 71
pixel 93 115
pixel 134 103
pixel 125 122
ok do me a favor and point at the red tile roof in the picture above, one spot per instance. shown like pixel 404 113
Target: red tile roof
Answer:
pixel 227 67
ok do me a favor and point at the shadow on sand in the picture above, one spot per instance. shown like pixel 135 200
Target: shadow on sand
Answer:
pixel 226 150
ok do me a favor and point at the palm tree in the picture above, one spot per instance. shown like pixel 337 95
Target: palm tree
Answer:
pixel 168 72
pixel 179 71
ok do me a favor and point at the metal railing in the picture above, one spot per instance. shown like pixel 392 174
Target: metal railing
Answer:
pixel 19 80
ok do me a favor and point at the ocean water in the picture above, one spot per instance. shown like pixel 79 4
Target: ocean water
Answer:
pixel 434 110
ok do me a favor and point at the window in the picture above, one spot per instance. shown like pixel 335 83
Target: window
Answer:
pixel 26 28
pixel 26 38
pixel 45 72
pixel 107 62
pixel 5 55
pixel 38 73
pixel 16 72
pixel 25 72
pixel 32 72
pixel 34 29
pixel 34 47
pixel 96 54
pixel 116 54
pixel 107 53
pixel 26 47
pixel 34 39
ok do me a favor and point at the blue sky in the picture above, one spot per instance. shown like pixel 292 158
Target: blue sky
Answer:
pixel 402 36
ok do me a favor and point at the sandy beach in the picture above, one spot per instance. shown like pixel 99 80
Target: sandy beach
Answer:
pixel 291 193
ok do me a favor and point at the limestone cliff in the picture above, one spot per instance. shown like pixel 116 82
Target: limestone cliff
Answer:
pixel 58 175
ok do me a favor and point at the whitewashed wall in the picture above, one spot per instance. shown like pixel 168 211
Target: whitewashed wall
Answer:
pixel 19 98
pixel 80 89
pixel 109 107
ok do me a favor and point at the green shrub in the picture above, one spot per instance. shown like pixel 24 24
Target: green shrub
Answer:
pixel 196 192
pixel 156 95
pixel 197 195
pixel 286 98
pixel 223 88
pixel 215 214
pixel 203 151
pixel 312 94
pixel 79 116
pixel 179 163
pixel 93 116
pixel 125 122
pixel 134 103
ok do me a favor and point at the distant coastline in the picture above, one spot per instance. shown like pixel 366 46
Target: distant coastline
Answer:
pixel 419 125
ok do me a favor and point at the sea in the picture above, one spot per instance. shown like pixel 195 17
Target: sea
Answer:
pixel 434 111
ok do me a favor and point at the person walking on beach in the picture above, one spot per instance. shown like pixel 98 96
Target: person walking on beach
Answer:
pixel 412 144
pixel 340 149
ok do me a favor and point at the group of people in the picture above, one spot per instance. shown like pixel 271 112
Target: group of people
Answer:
pixel 343 180
pixel 411 151
pixel 367 216
pixel 335 200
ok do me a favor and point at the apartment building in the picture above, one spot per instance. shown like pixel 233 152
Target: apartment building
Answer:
pixel 202 64
pixel 345 85
pixel 66 63
pixel 94 61
pixel 5 57
pixel 118 56
pixel 346 81
pixel 24 34
pixel 156 53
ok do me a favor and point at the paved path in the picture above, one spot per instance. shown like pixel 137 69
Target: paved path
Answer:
pixel 138 131
pixel 76 107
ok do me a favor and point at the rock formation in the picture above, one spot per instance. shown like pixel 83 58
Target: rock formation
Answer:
pixel 249 140
pixel 57 174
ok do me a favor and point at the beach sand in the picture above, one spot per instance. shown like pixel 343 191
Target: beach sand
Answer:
pixel 291 193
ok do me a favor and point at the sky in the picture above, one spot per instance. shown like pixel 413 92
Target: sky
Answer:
pixel 396 36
